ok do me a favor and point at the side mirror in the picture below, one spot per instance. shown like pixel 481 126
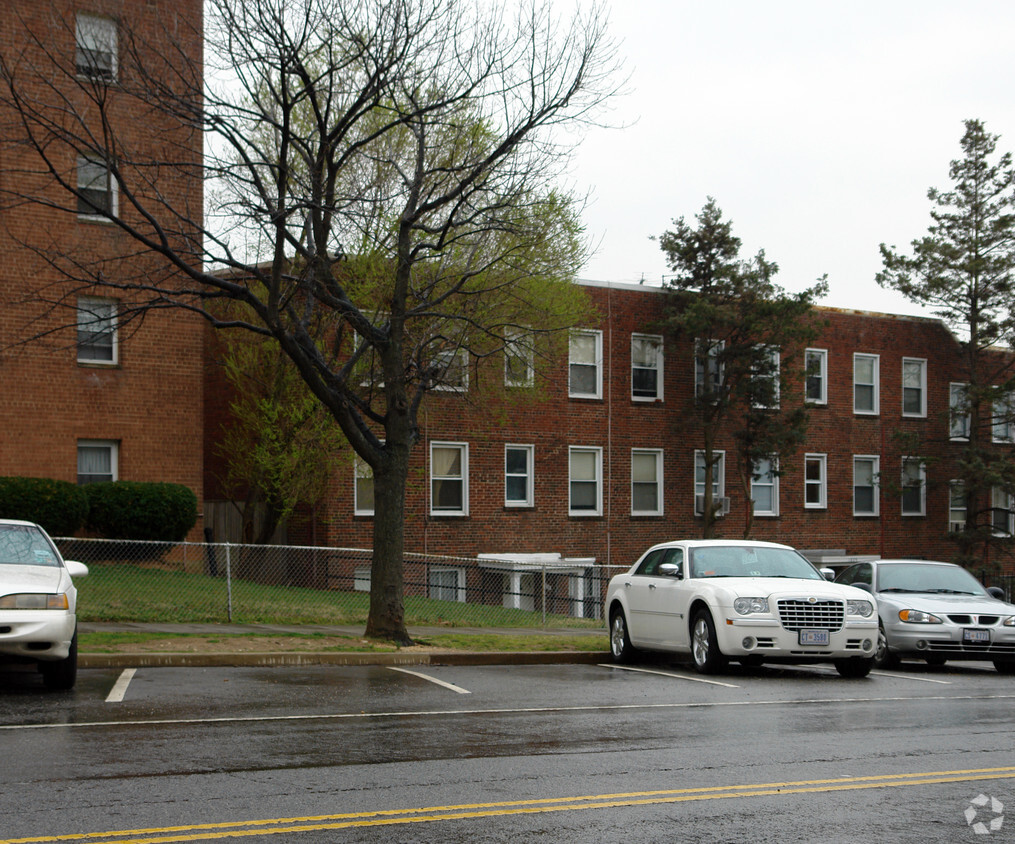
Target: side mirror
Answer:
pixel 996 592
pixel 828 574
pixel 76 569
pixel 672 570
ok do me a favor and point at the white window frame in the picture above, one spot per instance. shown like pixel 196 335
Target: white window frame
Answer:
pixel 529 475
pixel 821 484
pixel 718 478
pixel 113 449
pixel 957 509
pixel 653 456
pixel 95 35
pixel 596 364
pixel 362 472
pixel 921 476
pixel 438 588
pixel 875 385
pixel 654 342
pixel 708 365
pixel 775 359
pixel 922 363
pixel 1001 501
pixel 958 423
pixel 1002 429
pixel 89 173
pixel 597 480
pixel 451 361
pixel 518 350
pixel 462 478
pixel 821 356
pixel 90 306
pixel 772 483
pixel 875 464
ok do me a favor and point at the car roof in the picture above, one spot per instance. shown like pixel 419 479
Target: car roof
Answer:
pixel 915 562
pixel 17 522
pixel 718 543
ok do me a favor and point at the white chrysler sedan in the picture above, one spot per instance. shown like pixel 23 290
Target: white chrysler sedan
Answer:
pixel 718 599
pixel 37 603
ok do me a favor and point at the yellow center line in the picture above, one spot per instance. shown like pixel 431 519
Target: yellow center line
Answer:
pixel 430 814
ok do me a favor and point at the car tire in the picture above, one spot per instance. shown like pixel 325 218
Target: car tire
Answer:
pixel 854 667
pixel 708 659
pixel 621 648
pixel 883 656
pixel 1004 666
pixel 62 674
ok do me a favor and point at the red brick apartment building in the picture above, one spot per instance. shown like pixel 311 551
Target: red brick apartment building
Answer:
pixel 93 399
pixel 601 470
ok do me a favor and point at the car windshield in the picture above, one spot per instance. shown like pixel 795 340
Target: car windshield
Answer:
pixel 750 561
pixel 25 545
pixel 916 577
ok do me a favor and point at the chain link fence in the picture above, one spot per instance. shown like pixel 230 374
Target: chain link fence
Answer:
pixel 131 581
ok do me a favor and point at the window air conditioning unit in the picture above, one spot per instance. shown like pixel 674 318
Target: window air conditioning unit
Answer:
pixel 955 527
pixel 721 505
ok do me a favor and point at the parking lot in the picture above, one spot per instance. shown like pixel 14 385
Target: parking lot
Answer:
pixel 498 753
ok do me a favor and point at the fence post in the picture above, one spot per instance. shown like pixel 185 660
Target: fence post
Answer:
pixel 544 595
pixel 229 586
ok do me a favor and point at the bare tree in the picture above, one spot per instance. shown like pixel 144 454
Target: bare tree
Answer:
pixel 380 193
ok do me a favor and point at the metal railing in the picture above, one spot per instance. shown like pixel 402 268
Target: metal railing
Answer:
pixel 132 581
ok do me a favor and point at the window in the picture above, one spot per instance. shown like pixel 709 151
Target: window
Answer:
pixel 914 387
pixel 585 375
pixel 449 479
pixel 718 482
pixel 865 384
pixel 865 485
pixel 363 491
pixel 958 407
pixel 586 468
pixel 914 487
pixel 765 379
pixel 956 506
pixel 361 579
pixel 646 367
pixel 446 584
pixel 519 359
pixel 97 340
pixel 816 383
pixel 518 487
pixel 646 482
pixel 95 47
pixel 97 196
pixel 1003 425
pixel 815 481
pixel 452 370
pixel 765 488
pixel 1001 516
pixel 97 461
pixel 708 370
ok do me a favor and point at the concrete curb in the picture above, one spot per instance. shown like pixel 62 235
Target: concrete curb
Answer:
pixel 254 660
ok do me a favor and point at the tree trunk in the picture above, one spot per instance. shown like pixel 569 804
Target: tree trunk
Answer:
pixel 387 578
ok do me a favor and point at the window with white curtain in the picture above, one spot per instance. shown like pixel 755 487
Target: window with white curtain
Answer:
pixel 449 479
pixel 586 468
pixel 585 373
pixel 646 482
pixel 97 461
pixel 363 491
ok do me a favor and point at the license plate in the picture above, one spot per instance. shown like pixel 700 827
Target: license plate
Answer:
pixel 975 635
pixel 813 637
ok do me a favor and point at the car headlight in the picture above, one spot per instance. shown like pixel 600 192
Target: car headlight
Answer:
pixel 918 617
pixel 1009 621
pixel 32 601
pixel 746 606
pixel 861 608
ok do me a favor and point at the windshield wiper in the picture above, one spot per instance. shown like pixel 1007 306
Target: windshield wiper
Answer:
pixel 949 592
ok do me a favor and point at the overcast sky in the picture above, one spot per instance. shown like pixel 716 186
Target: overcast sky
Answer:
pixel 817 126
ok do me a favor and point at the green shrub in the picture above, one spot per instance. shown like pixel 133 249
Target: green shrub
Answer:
pixel 59 506
pixel 158 512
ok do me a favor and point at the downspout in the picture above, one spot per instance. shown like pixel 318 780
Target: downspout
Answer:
pixel 609 420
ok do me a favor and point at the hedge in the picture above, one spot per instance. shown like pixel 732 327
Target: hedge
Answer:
pixel 61 507
pixel 159 512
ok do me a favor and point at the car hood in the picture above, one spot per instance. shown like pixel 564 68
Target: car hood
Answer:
pixel 785 587
pixel 17 579
pixel 933 602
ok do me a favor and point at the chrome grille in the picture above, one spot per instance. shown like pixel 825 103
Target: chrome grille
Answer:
pixel 797 615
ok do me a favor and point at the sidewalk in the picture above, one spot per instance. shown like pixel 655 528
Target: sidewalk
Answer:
pixel 231 654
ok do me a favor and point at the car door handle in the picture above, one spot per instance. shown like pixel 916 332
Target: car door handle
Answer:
pixel 651 586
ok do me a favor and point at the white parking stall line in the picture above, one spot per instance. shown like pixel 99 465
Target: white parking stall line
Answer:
pixel 668 674
pixel 120 686
pixel 452 686
pixel 911 677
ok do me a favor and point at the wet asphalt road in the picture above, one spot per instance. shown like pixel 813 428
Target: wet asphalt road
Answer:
pixel 509 753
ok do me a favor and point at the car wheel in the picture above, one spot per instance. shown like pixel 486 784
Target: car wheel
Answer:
pixel 1004 666
pixel 708 659
pixel 63 673
pixel 883 657
pixel 854 666
pixel 620 642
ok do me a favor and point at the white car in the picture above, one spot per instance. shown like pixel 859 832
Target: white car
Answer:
pixel 38 603
pixel 717 600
